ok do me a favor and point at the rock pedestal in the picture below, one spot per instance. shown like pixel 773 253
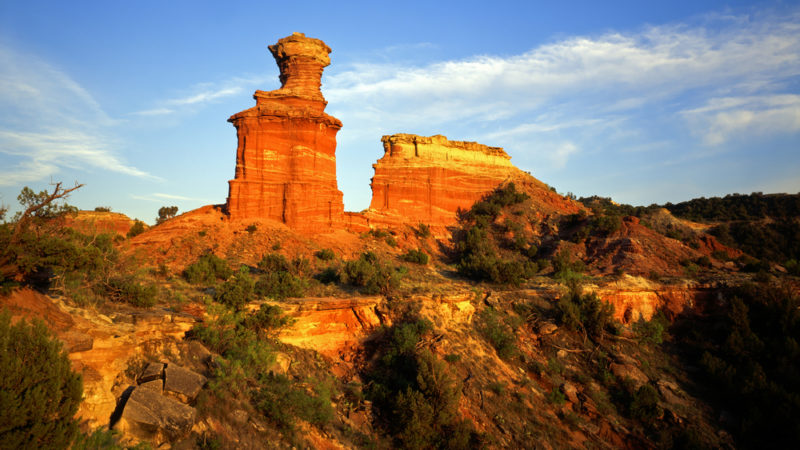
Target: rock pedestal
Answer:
pixel 285 160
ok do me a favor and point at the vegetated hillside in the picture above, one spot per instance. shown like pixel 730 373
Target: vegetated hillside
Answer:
pixel 503 336
pixel 766 227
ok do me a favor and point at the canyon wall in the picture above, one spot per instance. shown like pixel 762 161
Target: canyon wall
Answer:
pixel 285 159
pixel 427 179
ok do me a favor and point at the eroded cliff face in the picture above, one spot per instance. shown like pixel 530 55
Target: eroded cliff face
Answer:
pixel 285 159
pixel 427 179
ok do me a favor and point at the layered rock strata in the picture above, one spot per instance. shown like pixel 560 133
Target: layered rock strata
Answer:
pixel 427 179
pixel 285 160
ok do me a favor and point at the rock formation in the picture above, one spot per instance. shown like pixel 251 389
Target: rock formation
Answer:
pixel 285 160
pixel 427 179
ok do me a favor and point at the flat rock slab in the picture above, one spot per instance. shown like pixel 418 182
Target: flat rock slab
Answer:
pixel 155 385
pixel 182 383
pixel 153 371
pixel 149 415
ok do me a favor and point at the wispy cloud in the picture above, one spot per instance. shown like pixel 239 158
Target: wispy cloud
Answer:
pixel 591 90
pixel 203 94
pixel 161 197
pixel 723 119
pixel 49 122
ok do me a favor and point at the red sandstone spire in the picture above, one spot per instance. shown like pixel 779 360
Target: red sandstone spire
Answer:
pixel 285 160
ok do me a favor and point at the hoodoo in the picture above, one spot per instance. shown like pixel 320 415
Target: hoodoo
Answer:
pixel 285 160
pixel 427 179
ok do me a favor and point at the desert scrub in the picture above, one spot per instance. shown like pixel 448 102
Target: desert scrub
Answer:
pixel 482 252
pixel 246 345
pixel 238 290
pixel 207 270
pixel 416 256
pixel 651 331
pixel 39 393
pixel 492 327
pixel 282 278
pixel 414 390
pixel 282 401
pixel 325 254
pixel 371 275
pixel 136 229
pixel 586 313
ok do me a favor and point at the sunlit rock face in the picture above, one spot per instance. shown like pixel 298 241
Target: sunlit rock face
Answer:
pixel 285 159
pixel 427 179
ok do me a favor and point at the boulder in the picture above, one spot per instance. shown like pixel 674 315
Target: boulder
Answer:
pixel 155 385
pixel 547 328
pixel 630 371
pixel 571 392
pixel 153 371
pixel 182 384
pixel 150 416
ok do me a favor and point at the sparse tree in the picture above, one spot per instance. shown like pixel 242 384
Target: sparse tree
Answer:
pixel 41 206
pixel 165 213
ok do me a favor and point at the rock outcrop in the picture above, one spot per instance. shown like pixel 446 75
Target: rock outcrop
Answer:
pixel 427 179
pixel 157 410
pixel 285 160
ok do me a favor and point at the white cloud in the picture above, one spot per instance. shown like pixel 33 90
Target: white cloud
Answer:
pixel 49 123
pixel 584 88
pixel 723 119
pixel 204 93
pixel 161 197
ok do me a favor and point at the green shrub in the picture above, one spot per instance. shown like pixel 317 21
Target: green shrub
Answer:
pixel 133 291
pixel 416 256
pixel 492 327
pixel 644 404
pixel 274 262
pixel 252 228
pixel 267 320
pixel 328 275
pixel 391 241
pixel 380 234
pixel 280 285
pixel 301 266
pixel 747 348
pixel 102 209
pixel 414 389
pixel 371 275
pixel 245 355
pixel 793 267
pixel 236 291
pixel 423 231
pixel 136 229
pixel 39 393
pixel 555 396
pixel 452 357
pixel 652 331
pixel 325 254
pixel 279 279
pixel 207 270
pixel 607 224
pixel 280 400
pixel 563 264
pixel 585 312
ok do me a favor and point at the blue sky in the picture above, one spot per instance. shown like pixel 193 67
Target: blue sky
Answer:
pixel 643 103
